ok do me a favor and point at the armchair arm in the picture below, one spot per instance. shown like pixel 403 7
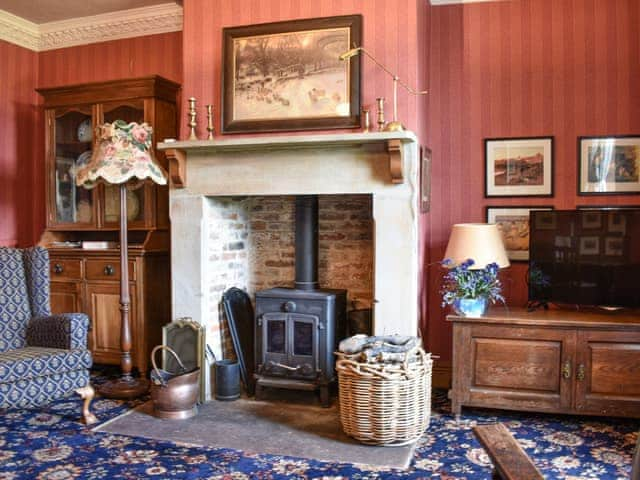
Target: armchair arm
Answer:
pixel 66 330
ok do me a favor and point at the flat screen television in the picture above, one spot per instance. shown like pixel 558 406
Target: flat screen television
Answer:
pixel 585 257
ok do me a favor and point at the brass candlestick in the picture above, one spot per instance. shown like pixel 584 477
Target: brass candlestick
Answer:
pixel 210 122
pixel 192 118
pixel 381 122
pixel 366 125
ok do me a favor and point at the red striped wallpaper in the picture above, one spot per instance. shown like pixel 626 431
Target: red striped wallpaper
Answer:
pixel 18 154
pixel 533 67
pixel 132 57
pixel 390 34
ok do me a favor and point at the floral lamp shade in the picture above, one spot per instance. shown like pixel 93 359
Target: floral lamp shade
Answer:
pixel 480 242
pixel 123 154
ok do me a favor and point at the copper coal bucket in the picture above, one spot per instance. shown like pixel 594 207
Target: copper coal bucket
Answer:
pixel 174 395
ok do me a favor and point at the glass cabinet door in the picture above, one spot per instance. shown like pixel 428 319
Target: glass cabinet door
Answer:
pixel 72 148
pixel 136 199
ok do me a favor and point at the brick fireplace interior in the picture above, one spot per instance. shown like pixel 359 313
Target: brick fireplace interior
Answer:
pixel 252 246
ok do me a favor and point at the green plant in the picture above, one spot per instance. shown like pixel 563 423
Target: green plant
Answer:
pixel 461 281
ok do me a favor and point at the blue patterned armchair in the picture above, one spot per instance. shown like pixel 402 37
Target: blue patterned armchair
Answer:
pixel 43 357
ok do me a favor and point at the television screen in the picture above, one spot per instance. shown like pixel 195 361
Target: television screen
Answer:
pixel 585 257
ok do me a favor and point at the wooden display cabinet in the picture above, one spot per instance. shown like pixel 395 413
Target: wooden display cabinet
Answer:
pixel 88 280
pixel 549 361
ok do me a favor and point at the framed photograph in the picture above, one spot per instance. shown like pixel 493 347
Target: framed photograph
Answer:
pixel 614 246
pixel 288 75
pixel 589 245
pixel 617 223
pixel 608 165
pixel 590 220
pixel 425 180
pixel 519 167
pixel 513 223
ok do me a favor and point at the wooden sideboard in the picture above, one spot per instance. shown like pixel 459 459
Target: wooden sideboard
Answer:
pixel 580 362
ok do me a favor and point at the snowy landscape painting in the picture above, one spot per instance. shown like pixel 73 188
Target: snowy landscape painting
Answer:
pixel 289 75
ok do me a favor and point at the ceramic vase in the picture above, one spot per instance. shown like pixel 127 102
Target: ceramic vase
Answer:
pixel 471 307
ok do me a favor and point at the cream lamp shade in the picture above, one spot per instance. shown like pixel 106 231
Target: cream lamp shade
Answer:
pixel 123 154
pixel 480 242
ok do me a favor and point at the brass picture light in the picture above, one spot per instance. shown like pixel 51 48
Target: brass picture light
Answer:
pixel 394 125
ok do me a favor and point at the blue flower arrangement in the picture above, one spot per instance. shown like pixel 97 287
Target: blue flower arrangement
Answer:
pixel 460 282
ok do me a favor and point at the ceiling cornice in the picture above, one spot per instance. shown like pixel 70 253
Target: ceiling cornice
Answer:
pixel 135 22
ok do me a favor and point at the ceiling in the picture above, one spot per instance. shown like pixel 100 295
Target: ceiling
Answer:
pixel 44 11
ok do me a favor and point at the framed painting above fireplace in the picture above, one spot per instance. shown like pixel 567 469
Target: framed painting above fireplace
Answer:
pixel 288 75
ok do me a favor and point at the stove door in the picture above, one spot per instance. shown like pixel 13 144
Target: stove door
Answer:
pixel 275 355
pixel 303 335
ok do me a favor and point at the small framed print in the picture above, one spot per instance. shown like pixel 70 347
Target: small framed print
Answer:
pixel 589 245
pixel 608 165
pixel 616 223
pixel 614 246
pixel 519 167
pixel 425 180
pixel 591 220
pixel 513 224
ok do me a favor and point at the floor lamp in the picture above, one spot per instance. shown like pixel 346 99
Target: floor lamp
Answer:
pixel 123 157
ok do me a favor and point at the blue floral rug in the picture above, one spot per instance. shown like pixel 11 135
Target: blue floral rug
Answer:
pixel 50 443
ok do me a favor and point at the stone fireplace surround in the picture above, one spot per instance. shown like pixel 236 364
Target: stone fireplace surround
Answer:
pixel 207 174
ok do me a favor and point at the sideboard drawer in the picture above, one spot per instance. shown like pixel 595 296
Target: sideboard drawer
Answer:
pixel 65 269
pixel 108 269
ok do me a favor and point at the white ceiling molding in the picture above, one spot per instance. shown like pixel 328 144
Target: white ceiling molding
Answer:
pixel 135 22
pixel 17 30
pixel 454 2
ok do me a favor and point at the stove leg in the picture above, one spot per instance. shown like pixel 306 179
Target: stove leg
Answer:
pixel 324 396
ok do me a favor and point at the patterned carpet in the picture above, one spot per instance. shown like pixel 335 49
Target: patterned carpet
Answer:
pixel 51 444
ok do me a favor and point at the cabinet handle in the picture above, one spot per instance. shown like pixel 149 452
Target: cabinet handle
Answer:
pixel 580 372
pixel 566 370
pixel 57 268
pixel 108 270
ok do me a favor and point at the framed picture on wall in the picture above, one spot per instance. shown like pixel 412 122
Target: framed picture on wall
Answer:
pixel 608 165
pixel 513 223
pixel 519 167
pixel 289 76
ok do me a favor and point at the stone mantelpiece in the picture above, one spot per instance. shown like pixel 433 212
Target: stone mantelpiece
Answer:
pixel 384 165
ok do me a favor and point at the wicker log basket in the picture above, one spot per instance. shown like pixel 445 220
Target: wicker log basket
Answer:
pixel 385 403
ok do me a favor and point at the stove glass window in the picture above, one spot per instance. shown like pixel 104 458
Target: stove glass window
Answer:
pixel 302 338
pixel 276 336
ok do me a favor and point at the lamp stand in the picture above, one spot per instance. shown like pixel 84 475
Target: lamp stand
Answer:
pixel 126 387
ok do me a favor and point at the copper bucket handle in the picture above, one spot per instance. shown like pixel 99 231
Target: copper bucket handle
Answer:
pixel 153 358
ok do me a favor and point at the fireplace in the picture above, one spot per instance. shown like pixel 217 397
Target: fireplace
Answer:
pixel 297 329
pixel 382 167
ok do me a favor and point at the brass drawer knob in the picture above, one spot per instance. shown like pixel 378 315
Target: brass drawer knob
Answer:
pixel 566 370
pixel 580 373
pixel 58 269
pixel 109 270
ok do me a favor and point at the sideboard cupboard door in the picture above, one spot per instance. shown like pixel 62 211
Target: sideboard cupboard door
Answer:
pixel 104 307
pixel 608 372
pixel 514 367
pixel 66 297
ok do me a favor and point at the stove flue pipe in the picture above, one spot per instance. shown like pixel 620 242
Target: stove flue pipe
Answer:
pixel 307 242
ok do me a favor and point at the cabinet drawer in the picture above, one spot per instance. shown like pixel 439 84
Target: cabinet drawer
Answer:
pixel 65 269
pixel 107 269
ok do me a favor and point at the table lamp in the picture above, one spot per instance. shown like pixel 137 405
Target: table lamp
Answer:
pixel 123 157
pixel 480 242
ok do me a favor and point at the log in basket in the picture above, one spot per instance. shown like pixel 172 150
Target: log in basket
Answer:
pixel 174 395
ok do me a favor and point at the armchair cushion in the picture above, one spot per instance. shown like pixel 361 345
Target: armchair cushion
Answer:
pixel 36 391
pixel 67 331
pixel 31 362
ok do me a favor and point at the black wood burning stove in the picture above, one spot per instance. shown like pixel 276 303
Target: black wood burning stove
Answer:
pixel 297 329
